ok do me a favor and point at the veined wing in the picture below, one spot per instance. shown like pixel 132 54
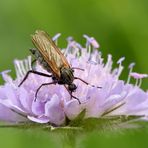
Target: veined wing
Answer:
pixel 50 52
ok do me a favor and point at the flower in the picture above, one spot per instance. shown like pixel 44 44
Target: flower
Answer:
pixel 115 98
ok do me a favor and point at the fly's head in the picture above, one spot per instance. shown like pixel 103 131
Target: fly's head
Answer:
pixel 72 87
pixel 33 50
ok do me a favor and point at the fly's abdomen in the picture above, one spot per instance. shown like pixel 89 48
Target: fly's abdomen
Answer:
pixel 40 59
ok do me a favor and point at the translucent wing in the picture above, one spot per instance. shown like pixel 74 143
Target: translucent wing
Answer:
pixel 50 52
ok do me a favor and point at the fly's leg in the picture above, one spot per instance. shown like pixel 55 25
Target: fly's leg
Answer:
pixel 34 72
pixel 75 98
pixel 70 93
pixel 86 82
pixel 77 68
pixel 44 84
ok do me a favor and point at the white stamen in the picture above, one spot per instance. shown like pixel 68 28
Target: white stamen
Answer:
pixel 73 47
pixel 17 71
pixel 130 71
pixel 6 71
pixel 108 65
pixel 18 68
pixel 69 39
pixel 91 41
pixel 69 46
pixel 120 66
pixel 78 45
pixel 22 67
pixel 94 43
pixel 5 76
pixel 137 80
pixel 120 69
pixel 29 63
pixel 120 60
pixel 114 72
pixel 140 82
pixel 88 46
pixel 26 65
pixel 100 58
pixel 131 65
pixel 55 38
pixel 138 77
pixel 95 57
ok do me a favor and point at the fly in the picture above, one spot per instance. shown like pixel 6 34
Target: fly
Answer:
pixel 53 60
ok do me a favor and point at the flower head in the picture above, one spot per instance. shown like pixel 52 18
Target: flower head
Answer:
pixel 55 106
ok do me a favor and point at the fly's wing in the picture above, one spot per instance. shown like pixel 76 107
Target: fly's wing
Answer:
pixel 50 52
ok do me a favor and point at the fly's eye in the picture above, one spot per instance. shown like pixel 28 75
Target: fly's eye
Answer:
pixel 33 50
pixel 72 87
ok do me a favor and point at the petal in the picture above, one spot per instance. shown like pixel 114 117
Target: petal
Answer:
pixel 11 94
pixel 2 92
pixel 9 104
pixel 72 109
pixel 38 119
pixel 135 97
pixel 6 77
pixel 6 114
pixel 113 100
pixel 54 111
pixel 25 99
pixel 117 88
pixel 38 108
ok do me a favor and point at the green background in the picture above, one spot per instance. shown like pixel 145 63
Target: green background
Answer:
pixel 121 28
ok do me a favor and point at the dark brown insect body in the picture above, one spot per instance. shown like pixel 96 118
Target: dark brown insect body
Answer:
pixel 52 59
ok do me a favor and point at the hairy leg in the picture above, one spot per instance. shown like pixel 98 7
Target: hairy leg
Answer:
pixel 44 84
pixel 70 93
pixel 86 82
pixel 34 72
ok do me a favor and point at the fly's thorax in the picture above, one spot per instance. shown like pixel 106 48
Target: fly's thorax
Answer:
pixel 67 76
pixel 40 59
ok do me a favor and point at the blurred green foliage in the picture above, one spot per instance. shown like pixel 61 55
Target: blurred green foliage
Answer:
pixel 121 27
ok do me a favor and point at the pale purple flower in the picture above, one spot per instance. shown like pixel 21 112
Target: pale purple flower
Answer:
pixel 54 104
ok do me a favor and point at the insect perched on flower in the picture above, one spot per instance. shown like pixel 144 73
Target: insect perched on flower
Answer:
pixel 53 60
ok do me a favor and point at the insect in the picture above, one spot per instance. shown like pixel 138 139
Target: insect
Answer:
pixel 53 60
